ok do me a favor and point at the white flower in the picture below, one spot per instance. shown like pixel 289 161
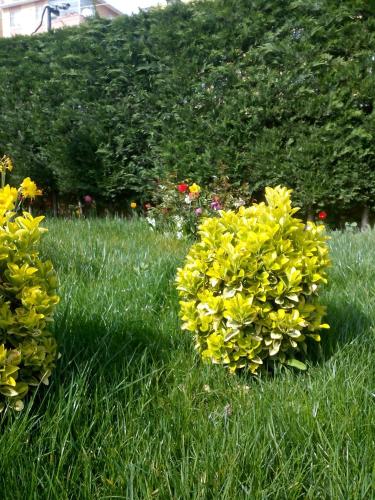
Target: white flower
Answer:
pixel 179 235
pixel 151 221
pixel 187 200
pixel 179 221
pixel 239 203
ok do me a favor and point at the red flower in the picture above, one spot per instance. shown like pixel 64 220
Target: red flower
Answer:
pixel 322 215
pixel 182 188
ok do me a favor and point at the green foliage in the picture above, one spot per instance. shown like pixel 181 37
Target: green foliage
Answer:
pixel 277 92
pixel 27 300
pixel 130 413
pixel 248 288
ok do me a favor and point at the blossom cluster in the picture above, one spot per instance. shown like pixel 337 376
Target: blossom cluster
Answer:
pixel 9 195
pixel 178 206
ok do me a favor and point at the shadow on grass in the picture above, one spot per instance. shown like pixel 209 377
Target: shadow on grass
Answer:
pixel 105 348
pixel 133 348
pixel 94 354
pixel 348 322
pixel 110 348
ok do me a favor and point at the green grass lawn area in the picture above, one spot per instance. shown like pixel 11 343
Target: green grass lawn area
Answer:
pixel 131 412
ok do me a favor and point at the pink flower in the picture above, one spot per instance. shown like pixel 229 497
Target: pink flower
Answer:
pixel 87 199
pixel 215 205
pixel 198 211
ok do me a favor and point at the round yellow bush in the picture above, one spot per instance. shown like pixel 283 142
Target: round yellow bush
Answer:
pixel 249 286
pixel 27 297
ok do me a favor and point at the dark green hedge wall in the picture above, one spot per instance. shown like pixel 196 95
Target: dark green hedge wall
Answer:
pixel 269 91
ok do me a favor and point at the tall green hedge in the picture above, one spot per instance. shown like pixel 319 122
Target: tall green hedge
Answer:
pixel 270 91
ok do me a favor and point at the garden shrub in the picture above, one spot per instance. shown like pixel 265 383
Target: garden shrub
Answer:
pixel 27 296
pixel 249 285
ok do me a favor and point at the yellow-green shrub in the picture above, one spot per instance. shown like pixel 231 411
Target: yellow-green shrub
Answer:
pixel 248 288
pixel 27 297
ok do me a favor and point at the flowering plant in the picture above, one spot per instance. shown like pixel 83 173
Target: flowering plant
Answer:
pixel 27 296
pixel 178 207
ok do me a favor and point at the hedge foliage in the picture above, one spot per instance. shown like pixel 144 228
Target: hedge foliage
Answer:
pixel 249 286
pixel 267 91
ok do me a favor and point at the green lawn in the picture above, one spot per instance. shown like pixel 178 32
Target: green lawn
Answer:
pixel 132 413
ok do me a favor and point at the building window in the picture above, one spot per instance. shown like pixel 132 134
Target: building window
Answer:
pixel 14 17
pixel 80 5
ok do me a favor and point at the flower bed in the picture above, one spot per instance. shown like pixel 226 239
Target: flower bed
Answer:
pixel 178 207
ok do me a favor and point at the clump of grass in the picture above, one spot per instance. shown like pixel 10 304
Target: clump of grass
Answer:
pixel 132 413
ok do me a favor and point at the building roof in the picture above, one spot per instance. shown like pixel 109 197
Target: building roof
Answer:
pixel 109 6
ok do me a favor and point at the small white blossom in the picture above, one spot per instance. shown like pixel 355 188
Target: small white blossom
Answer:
pixel 179 221
pixel 239 203
pixel 151 221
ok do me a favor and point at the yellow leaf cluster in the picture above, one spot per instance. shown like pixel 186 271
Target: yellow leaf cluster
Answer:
pixel 248 288
pixel 27 300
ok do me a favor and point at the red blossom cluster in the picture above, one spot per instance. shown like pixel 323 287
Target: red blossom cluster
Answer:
pixel 182 187
pixel 322 215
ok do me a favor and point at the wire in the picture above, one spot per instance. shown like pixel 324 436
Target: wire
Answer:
pixel 68 5
pixel 41 22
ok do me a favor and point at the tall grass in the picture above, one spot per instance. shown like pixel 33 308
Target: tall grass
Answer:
pixel 132 413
